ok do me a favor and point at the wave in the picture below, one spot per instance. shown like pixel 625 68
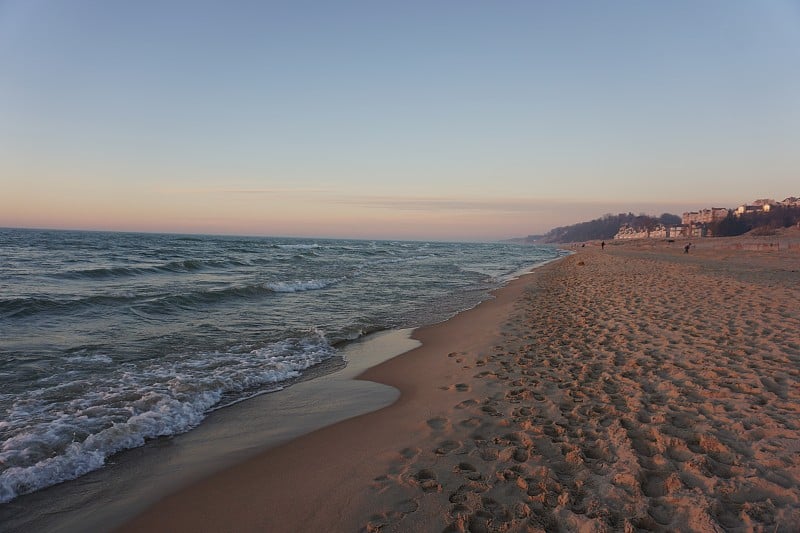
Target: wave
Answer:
pixel 169 303
pixel 302 286
pixel 62 432
pixel 408 259
pixel 297 246
pixel 25 307
pixel 305 256
pixel 89 358
pixel 175 267
pixel 370 263
pixel 243 291
pixel 103 273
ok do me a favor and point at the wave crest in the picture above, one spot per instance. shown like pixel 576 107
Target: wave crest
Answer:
pixel 301 286
pixel 54 441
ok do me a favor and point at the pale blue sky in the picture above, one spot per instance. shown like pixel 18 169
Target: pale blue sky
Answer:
pixel 396 119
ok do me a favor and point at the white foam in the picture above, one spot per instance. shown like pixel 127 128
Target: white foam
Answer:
pixel 401 259
pixel 298 246
pixel 92 358
pixel 301 286
pixel 60 432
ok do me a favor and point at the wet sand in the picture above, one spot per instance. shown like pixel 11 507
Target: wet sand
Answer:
pixel 635 388
pixel 135 479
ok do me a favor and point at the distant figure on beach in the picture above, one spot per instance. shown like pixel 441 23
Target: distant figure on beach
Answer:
pixel 686 248
pixel 603 245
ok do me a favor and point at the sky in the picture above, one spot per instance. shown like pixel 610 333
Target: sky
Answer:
pixel 443 120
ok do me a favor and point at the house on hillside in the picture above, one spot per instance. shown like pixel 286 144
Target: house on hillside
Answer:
pixel 754 208
pixel 791 202
pixel 697 223
pixel 764 205
pixel 626 231
pixel 704 216
pixel 660 231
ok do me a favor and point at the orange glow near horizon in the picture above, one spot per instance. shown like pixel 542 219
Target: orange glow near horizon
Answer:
pixel 296 213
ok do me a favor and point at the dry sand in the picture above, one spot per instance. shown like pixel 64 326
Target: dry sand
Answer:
pixel 636 388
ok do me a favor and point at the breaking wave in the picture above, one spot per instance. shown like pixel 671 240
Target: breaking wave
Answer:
pixel 59 432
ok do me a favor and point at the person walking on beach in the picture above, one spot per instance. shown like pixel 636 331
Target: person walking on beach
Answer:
pixel 603 245
pixel 686 248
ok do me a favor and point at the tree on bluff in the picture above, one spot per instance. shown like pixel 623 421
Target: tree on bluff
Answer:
pixel 668 219
pixel 780 216
pixel 604 227
pixel 730 226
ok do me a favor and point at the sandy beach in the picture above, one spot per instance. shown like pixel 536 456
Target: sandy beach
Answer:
pixel 635 388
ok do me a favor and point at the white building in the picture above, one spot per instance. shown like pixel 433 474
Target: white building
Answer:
pixel 660 231
pixel 745 209
pixel 704 216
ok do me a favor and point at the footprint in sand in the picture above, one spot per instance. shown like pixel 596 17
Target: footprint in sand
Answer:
pixel 409 453
pixel 406 506
pixel 488 453
pixel 427 481
pixel 460 387
pixel 438 423
pixel 446 447
pixel 466 403
pixel 661 512
pixel 521 455
pixel 466 467
pixel 379 521
pixel 471 422
pixel 658 484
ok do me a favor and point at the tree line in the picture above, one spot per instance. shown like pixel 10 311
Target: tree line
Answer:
pixel 606 227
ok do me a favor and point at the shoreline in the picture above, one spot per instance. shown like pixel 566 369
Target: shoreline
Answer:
pixel 476 327
pixel 106 498
pixel 624 389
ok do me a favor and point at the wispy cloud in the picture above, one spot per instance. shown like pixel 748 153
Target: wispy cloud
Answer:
pixel 495 204
pixel 432 203
pixel 246 191
pixel 276 190
pixel 554 209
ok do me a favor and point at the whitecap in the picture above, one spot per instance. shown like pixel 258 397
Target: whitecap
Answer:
pixel 298 246
pixel 301 286
pixel 57 434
